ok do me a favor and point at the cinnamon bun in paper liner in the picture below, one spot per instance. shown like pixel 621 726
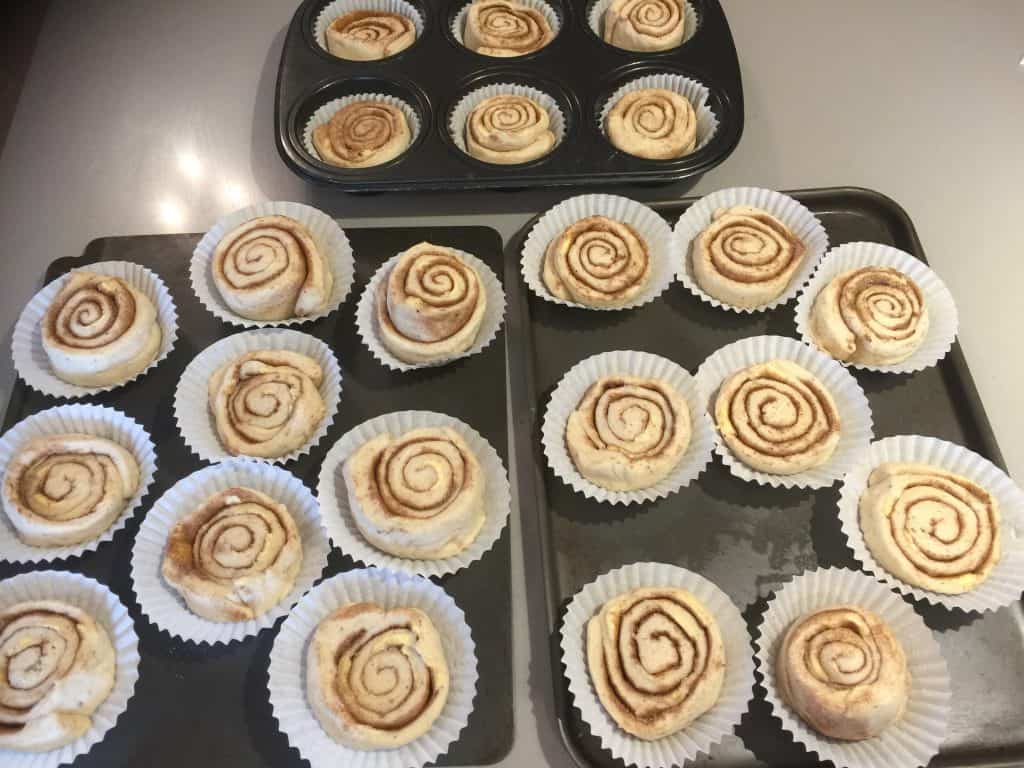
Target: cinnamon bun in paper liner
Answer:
pixel 376 129
pixel 367 30
pixel 506 28
pixel 645 26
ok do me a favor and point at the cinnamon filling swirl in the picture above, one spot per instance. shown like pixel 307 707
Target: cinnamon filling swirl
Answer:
pixel 369 35
pixel 644 25
pixel 363 133
pixel 654 123
pixel 505 28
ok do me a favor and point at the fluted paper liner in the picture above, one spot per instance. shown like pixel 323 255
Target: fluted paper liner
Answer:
pixel 554 21
pixel 912 741
pixel 163 605
pixel 800 221
pixel 651 227
pixel 340 7
pixel 855 425
pixel 105 607
pixel 326 233
pixel 83 418
pixel 30 360
pixel 192 401
pixel 574 385
pixel 336 511
pixel 324 114
pixel 1006 581
pixel 692 90
pixel 287 683
pixel 943 320
pixel 469 102
pixel 595 18
pixel 708 729
pixel 369 328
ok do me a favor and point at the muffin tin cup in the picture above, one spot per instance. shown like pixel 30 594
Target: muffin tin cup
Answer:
pixel 804 224
pixel 108 611
pixel 851 403
pixel 465 105
pixel 943 320
pixel 336 508
pixel 324 113
pixel 339 8
pixel 191 397
pixel 326 233
pixel 1006 582
pixel 164 606
pixel 595 19
pixel 30 359
pixel 369 330
pixel 554 21
pixel 708 729
pixel 82 418
pixel 916 738
pixel 574 385
pixel 652 228
pixel 287 674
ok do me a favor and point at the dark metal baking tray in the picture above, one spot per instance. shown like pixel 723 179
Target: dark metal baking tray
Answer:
pixel 747 538
pixel 577 69
pixel 208 706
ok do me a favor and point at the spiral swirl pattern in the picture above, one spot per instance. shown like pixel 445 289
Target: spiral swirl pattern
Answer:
pixel 505 28
pixel 654 123
pixel 266 403
pixel 508 129
pixel 644 25
pixel 930 528
pixel 431 305
pixel 369 35
pixel 656 659
pixel 377 678
pixel 597 262
pixel 843 672
pixel 872 315
pixel 777 417
pixel 363 133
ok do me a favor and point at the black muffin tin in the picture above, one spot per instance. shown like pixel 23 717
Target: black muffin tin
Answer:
pixel 577 69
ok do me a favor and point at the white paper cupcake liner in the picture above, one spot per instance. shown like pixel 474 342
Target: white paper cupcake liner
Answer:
pixel 191 398
pixel 340 7
pixel 105 607
pixel 30 358
pixel 693 90
pixel 942 314
pixel 1006 582
pixel 912 741
pixel 554 21
pixel 851 403
pixel 707 730
pixel 800 221
pixel 465 105
pixel 651 227
pixel 595 18
pixel 287 683
pixel 369 328
pixel 80 418
pixel 575 383
pixel 336 513
pixel 328 236
pixel 323 115
pixel 164 606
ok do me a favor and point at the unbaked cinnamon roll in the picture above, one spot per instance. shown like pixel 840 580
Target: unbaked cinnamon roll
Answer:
pixel 745 257
pixel 508 129
pixel 270 268
pixel 871 315
pixel 654 123
pixel 418 495
pixel 235 557
pixel 628 432
pixel 362 134
pixel 430 306
pixel 266 403
pixel 777 417
pixel 363 35
pixel 656 659
pixel 597 262
pixel 929 527
pixel 376 678
pixel 644 25
pixel 505 28
pixel 100 330
pixel 843 672
pixel 57 665
pixel 65 489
